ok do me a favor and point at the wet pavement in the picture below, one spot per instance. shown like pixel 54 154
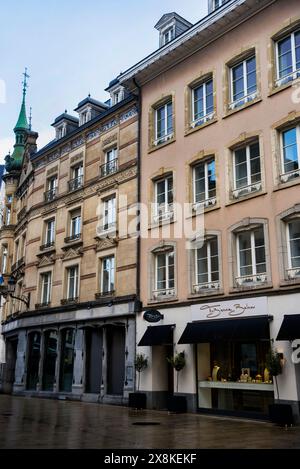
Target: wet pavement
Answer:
pixel 42 423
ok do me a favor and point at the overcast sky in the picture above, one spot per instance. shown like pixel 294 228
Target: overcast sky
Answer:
pixel 72 48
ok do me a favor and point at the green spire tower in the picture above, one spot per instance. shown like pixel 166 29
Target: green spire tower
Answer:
pixel 14 162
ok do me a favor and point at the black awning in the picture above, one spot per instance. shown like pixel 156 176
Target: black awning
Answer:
pixel 255 328
pixel 290 327
pixel 157 335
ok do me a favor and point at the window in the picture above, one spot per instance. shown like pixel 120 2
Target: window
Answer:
pixel 46 288
pixel 109 215
pixel 75 225
pixel 168 35
pixel 61 131
pixel 111 162
pixel 9 199
pixel 164 274
pixel 51 189
pixel 290 144
pixel 202 103
pixel 288 58
pixel 251 257
pixel 243 82
pixel 293 241
pixel 246 170
pixel 77 178
pixel 50 233
pixel 163 206
pixel 8 216
pixel 163 123
pixel 72 287
pixel 207 266
pixel 218 3
pixel 108 275
pixel 4 259
pixel 204 182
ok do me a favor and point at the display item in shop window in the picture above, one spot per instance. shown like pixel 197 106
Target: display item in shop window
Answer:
pixel 216 372
pixel 266 375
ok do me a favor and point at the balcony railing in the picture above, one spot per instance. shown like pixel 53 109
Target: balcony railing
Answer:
pixel 42 305
pixel 286 177
pixel 105 294
pixel 50 195
pixel 202 120
pixel 204 204
pixel 251 280
pixel 244 100
pixel 18 264
pixel 72 238
pixel 293 273
pixel 163 139
pixel 287 78
pixel 69 301
pixel 109 168
pixel 47 246
pixel 163 212
pixel 242 191
pixel 22 213
pixel 163 293
pixel 206 286
pixel 75 184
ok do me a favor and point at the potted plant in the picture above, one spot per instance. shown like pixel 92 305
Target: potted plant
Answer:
pixel 137 400
pixel 279 413
pixel 177 403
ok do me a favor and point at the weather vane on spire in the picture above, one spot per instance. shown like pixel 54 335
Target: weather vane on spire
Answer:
pixel 25 83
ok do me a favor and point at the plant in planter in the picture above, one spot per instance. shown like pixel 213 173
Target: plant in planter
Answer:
pixel 279 413
pixel 137 399
pixel 177 403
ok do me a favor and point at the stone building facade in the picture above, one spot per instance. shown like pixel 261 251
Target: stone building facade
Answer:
pixel 69 325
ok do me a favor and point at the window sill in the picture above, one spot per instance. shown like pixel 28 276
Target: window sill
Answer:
pixel 205 294
pixel 266 285
pixel 193 214
pixel 241 108
pixel 289 283
pixel 286 185
pixel 278 89
pixel 191 130
pixel 163 300
pixel 154 225
pixel 161 145
pixel 72 244
pixel 246 197
pixel 74 301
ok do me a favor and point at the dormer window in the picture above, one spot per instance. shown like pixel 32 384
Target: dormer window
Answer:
pixel 117 95
pixel 168 35
pixel 85 116
pixel 61 131
pixel 215 4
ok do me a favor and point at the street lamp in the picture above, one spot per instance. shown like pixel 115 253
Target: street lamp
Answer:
pixel 10 290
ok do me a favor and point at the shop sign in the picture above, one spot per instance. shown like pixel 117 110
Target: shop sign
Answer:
pixel 230 309
pixel 152 315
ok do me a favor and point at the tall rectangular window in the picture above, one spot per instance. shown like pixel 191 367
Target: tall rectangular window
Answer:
pixel 293 236
pixel 288 58
pixel 46 288
pixel 243 81
pixel 251 253
pixel 204 178
pixel 207 264
pixel 77 178
pixel 110 213
pixel 202 102
pixel 50 232
pixel 246 166
pixel 168 35
pixel 75 225
pixel 8 216
pixel 73 283
pixel 108 275
pixel 163 197
pixel 111 162
pixel 164 271
pixel 290 149
pixel 163 123
pixel 4 259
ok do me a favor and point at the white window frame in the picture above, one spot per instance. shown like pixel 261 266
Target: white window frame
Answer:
pixel 52 231
pixel 246 97
pixel 111 273
pixel 8 216
pixel 168 207
pixel 78 168
pixel 253 255
pixel 205 116
pixel 49 286
pixel 208 200
pixel 297 127
pixel 166 136
pixel 4 259
pixel 167 256
pixel 170 31
pixel 77 225
pixel 214 283
pixel 289 252
pixel 294 60
pixel 256 185
pixel 109 213
pixel 76 282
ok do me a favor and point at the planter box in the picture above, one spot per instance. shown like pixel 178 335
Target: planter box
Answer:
pixel 282 414
pixel 177 404
pixel 137 400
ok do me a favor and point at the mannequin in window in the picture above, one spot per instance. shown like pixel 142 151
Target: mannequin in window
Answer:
pixel 216 373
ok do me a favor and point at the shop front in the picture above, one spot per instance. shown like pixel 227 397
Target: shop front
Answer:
pixel 232 342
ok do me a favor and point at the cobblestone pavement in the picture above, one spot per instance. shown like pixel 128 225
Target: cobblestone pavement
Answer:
pixel 42 423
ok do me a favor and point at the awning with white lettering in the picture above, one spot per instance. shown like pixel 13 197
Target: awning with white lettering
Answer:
pixel 241 329
pixel 290 327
